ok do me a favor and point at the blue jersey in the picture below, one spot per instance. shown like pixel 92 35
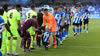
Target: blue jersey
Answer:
pixel 80 14
pixel 68 16
pixel 61 13
pixel 1 24
pixel 58 18
pixel 76 18
pixel 46 36
pixel 64 14
pixel 1 21
pixel 85 16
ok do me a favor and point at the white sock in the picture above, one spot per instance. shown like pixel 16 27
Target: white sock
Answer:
pixel 60 42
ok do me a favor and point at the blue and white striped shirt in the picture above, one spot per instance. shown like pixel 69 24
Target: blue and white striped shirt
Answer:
pixel 80 14
pixel 46 36
pixel 68 16
pixel 1 21
pixel 85 16
pixel 76 18
pixel 1 24
pixel 58 18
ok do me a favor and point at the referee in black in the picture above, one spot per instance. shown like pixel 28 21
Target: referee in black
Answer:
pixel 40 21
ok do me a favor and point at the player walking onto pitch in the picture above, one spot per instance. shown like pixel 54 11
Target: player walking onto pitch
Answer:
pixel 86 20
pixel 67 18
pixel 58 23
pixel 76 21
pixel 80 16
pixel 60 12
pixel 14 21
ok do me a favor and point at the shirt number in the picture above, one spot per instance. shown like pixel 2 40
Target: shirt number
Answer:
pixel 11 15
pixel 29 14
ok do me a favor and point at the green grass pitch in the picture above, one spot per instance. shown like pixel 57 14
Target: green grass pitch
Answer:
pixel 82 45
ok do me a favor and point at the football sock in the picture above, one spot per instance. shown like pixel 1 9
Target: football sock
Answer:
pixel 54 39
pixel 74 30
pixel 87 29
pixel 63 34
pixel 49 41
pixel 8 45
pixel 31 45
pixel 57 41
pixel 66 32
pixel 77 30
pixel 84 28
pixel 46 47
pixel 80 30
pixel 14 45
pixel 60 36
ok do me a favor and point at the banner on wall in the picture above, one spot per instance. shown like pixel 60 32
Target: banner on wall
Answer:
pixel 94 11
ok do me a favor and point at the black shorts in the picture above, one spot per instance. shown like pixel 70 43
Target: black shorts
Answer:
pixel 67 26
pixel 86 21
pixel 64 27
pixel 76 24
pixel 61 28
pixel 0 42
pixel 80 23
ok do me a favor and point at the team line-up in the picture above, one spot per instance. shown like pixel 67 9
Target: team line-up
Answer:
pixel 38 26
